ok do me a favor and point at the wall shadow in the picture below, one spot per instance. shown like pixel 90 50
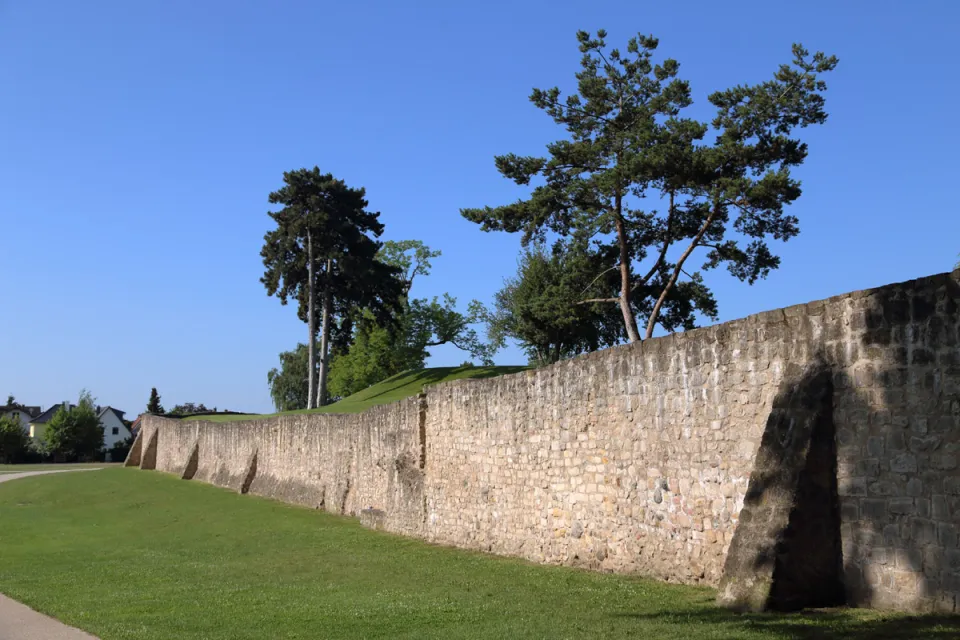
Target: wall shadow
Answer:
pixel 836 624
pixel 855 493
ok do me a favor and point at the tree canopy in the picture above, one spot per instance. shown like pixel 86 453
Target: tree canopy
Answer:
pixel 647 187
pixel 188 408
pixel 540 307
pixel 13 440
pixel 322 253
pixel 153 405
pixel 288 383
pixel 75 433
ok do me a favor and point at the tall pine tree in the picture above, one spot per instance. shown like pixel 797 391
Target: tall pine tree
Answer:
pixel 640 182
pixel 323 254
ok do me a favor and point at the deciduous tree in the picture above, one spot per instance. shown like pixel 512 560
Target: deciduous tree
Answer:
pixel 75 433
pixel 188 408
pixel 381 348
pixel 13 440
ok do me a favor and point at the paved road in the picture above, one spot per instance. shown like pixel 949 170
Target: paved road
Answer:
pixel 20 622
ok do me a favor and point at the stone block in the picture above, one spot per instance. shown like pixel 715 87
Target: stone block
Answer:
pixel 902 506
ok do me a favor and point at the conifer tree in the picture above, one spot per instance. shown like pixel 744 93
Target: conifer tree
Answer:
pixel 648 187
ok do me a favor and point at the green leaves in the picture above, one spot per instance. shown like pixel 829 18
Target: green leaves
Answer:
pixel 541 306
pixel 75 433
pixel 288 384
pixel 13 440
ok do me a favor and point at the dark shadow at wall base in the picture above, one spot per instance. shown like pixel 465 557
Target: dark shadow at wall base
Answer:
pixel 808 572
pixel 190 470
pixel 250 474
pixel 786 554
pixel 149 459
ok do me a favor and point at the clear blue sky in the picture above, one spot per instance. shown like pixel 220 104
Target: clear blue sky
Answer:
pixel 139 141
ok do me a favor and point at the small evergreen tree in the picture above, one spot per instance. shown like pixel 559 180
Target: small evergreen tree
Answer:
pixel 154 406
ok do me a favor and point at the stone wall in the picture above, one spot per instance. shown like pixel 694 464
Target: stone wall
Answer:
pixel 340 463
pixel 797 457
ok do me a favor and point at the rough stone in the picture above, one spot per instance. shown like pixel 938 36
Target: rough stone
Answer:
pixel 484 464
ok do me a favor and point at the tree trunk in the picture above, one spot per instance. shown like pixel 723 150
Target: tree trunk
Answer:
pixel 325 337
pixel 629 321
pixel 676 271
pixel 311 328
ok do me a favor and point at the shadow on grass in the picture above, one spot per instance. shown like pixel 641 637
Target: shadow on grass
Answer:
pixel 423 377
pixel 843 624
pixel 438 374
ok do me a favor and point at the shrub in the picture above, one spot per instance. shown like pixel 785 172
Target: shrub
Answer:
pixel 14 442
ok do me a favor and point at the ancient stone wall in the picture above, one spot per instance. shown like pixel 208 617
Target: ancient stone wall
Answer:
pixel 797 457
pixel 340 463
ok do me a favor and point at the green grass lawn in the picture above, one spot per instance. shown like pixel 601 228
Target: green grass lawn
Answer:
pixel 400 386
pixel 124 553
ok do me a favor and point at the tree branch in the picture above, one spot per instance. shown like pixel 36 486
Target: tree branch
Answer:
pixel 663 251
pixel 602 273
pixel 676 272
pixel 592 300
pixel 554 103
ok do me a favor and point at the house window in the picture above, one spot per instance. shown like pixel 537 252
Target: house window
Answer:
pixel 116 430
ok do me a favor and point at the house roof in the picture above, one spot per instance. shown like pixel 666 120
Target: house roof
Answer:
pixel 116 412
pixel 47 415
pixel 30 411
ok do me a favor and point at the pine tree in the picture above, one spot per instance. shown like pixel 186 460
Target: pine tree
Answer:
pixel 154 406
pixel 323 254
pixel 638 179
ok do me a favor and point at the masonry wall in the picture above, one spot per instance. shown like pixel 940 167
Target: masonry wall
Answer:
pixel 762 455
pixel 340 463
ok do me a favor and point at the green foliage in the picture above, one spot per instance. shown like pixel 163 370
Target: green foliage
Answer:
pixel 187 408
pixel 324 228
pixel 75 434
pixel 377 353
pixel 340 228
pixel 288 384
pixel 120 449
pixel 382 349
pixel 14 441
pixel 153 405
pixel 639 181
pixel 541 306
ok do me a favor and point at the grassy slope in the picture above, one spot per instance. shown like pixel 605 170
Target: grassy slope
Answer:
pixel 124 553
pixel 400 386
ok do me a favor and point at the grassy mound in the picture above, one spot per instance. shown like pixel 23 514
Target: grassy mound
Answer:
pixel 403 385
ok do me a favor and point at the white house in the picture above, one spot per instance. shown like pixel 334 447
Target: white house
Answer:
pixel 113 428
pixel 111 420
pixel 21 413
